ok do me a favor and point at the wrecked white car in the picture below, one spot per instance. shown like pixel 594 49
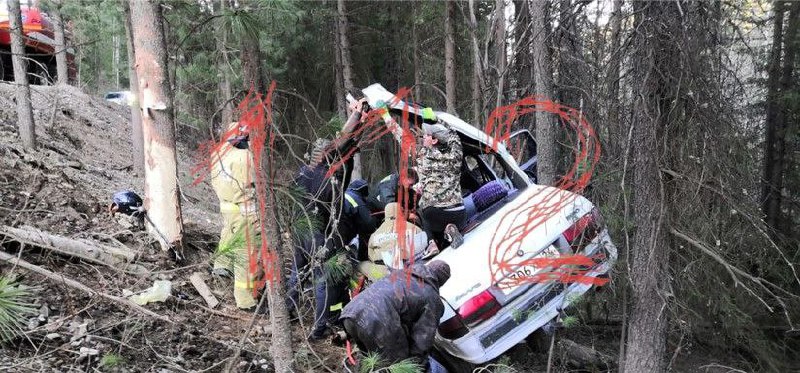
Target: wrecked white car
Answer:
pixel 505 283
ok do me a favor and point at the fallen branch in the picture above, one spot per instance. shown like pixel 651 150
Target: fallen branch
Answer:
pixel 201 287
pixel 77 285
pixel 577 355
pixel 84 249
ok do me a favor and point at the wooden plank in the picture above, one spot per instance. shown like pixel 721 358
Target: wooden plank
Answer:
pixel 201 287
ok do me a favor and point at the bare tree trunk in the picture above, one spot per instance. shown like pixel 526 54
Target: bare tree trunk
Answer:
pixel 252 76
pixel 570 75
pixel 773 87
pixel 449 57
pixel 614 126
pixel 281 348
pixel 61 45
pixel 657 54
pixel 522 70
pixel 344 46
pixel 115 60
pixel 546 130
pixel 161 168
pixel 341 103
pixel 779 79
pixel 500 48
pixel 137 137
pixel 477 68
pixel 223 66
pixel 27 127
pixel 415 43
pixel 791 41
pixel 347 70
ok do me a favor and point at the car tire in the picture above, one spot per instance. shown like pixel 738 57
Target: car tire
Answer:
pixel 452 363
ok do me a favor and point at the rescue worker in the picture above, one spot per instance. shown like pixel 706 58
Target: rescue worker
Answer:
pixel 353 221
pixel 384 251
pixel 397 317
pixel 232 177
pixel 328 294
pixel 316 200
pixel 390 187
pixel 440 204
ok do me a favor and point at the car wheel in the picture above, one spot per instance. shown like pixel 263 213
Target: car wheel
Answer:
pixel 452 363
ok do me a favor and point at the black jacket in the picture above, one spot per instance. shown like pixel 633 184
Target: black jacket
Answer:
pixel 400 312
pixel 356 218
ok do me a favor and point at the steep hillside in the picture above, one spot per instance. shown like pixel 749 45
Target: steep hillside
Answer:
pixel 63 188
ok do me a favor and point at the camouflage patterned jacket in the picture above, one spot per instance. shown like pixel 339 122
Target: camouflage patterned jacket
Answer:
pixel 439 173
pixel 400 313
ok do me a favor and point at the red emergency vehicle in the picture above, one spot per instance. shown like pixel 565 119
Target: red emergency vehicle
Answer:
pixel 40 46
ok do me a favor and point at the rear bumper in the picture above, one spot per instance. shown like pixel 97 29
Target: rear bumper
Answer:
pixel 529 312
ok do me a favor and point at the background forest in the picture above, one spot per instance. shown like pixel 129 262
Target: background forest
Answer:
pixel 696 104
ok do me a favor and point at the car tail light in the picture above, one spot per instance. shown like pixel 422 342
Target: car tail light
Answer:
pixel 584 230
pixel 479 308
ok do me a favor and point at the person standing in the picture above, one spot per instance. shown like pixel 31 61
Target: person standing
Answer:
pixel 233 179
pixel 439 187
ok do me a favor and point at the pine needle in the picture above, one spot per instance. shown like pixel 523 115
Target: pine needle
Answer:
pixel 14 307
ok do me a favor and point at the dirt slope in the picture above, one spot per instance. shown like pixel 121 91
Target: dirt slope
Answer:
pixel 84 156
pixel 63 188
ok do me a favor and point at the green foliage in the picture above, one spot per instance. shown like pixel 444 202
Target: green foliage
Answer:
pixel 338 267
pixel 404 366
pixel 372 362
pixel 111 360
pixel 369 362
pixel 14 306
pixel 97 29
pixel 570 321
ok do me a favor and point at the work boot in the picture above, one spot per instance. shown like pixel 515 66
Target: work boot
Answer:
pixel 452 235
pixel 431 251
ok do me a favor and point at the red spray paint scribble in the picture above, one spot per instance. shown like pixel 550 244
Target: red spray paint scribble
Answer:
pixel 256 120
pixel 525 219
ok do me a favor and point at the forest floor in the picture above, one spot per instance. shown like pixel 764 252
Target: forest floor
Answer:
pixel 63 188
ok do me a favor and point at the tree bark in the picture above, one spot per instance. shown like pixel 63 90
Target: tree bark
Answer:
pixel 252 75
pixel 61 44
pixel 415 43
pixel 27 126
pixel 223 67
pixel 570 75
pixel 477 68
pixel 773 87
pixel 614 127
pixel 546 130
pixel 137 136
pixel 344 46
pixel 281 348
pixel 500 49
pixel 449 57
pixel 341 103
pixel 658 24
pixel 161 172
pixel 347 70
pixel 778 82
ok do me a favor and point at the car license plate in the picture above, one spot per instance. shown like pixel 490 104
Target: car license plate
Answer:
pixel 525 274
